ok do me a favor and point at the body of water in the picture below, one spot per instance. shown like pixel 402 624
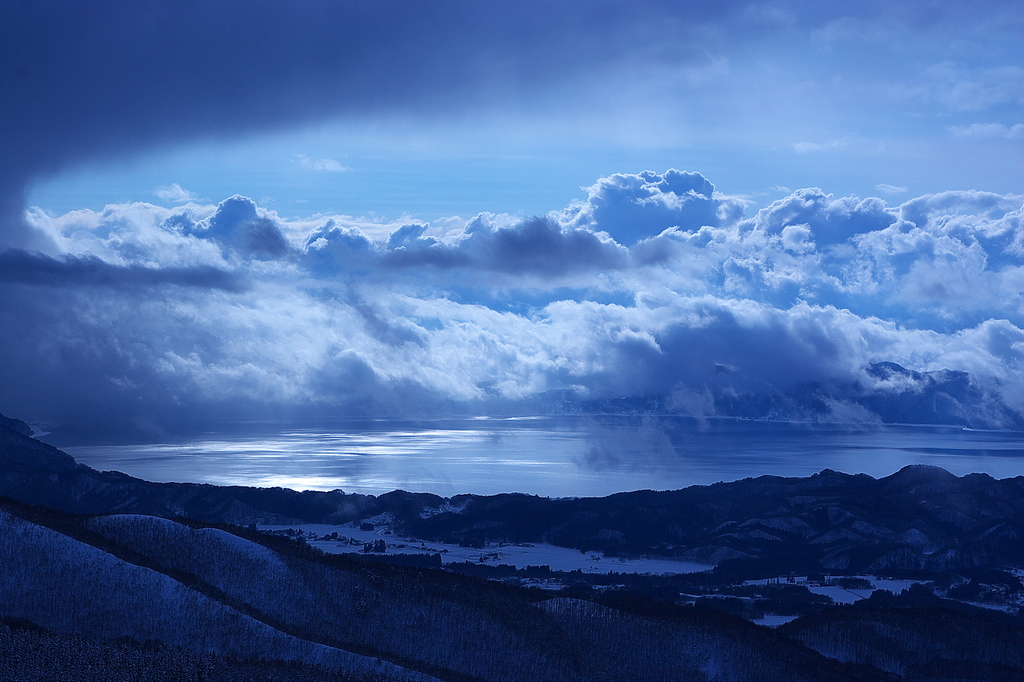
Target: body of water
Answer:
pixel 554 456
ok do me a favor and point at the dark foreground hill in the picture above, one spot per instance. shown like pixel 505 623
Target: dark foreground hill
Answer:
pixel 29 653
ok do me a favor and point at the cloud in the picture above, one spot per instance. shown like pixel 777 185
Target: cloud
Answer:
pixel 954 254
pixel 486 246
pixel 35 269
pixel 538 246
pixel 961 88
pixel 831 219
pixel 890 189
pixel 813 147
pixel 989 131
pixel 851 143
pixel 175 194
pixel 238 223
pixel 159 314
pixel 326 165
pixel 125 80
pixel 654 288
pixel 632 207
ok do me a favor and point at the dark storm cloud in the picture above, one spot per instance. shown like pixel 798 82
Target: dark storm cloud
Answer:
pixel 21 267
pixel 729 353
pixel 111 77
pixel 108 78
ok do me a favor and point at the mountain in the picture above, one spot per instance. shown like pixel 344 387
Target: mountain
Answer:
pixel 920 518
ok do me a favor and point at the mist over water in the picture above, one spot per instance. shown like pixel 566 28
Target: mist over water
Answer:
pixel 553 456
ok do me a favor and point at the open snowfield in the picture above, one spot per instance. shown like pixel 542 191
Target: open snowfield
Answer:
pixel 843 595
pixel 352 539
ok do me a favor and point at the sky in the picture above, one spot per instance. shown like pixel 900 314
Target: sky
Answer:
pixel 223 210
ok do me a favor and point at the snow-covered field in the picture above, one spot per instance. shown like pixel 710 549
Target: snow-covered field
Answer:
pixel 840 595
pixel 843 595
pixel 351 539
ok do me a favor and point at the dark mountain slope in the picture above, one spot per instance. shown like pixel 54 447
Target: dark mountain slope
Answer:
pixel 31 654
pixel 206 589
pixel 918 636
pixel 649 645
pixel 384 611
pixel 38 473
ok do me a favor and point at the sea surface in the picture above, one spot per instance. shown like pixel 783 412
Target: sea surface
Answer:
pixel 552 456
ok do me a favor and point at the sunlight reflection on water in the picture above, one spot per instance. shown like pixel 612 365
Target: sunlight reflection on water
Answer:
pixel 557 456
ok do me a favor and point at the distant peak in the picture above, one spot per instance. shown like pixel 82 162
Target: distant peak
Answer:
pixel 923 472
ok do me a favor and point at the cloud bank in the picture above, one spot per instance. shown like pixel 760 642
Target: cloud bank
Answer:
pixel 654 291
